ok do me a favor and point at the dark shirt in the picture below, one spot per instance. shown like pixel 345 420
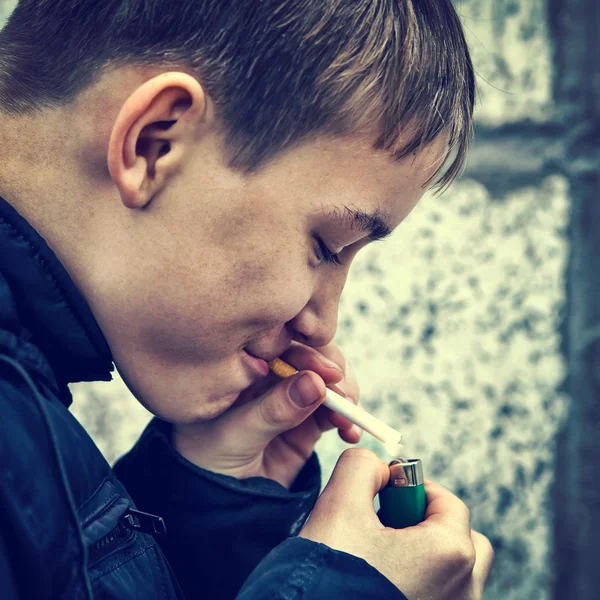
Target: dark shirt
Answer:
pixel 71 527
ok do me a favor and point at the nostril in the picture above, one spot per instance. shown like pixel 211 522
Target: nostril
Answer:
pixel 300 337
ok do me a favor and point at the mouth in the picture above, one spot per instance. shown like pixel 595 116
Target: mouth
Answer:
pixel 259 365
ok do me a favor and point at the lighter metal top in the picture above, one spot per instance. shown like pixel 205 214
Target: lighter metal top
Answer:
pixel 406 472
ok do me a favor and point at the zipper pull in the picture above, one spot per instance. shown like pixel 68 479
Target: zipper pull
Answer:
pixel 144 522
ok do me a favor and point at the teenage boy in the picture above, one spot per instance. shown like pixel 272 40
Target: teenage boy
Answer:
pixel 185 185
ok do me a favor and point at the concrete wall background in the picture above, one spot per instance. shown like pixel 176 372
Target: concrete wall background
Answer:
pixel 452 325
pixel 6 7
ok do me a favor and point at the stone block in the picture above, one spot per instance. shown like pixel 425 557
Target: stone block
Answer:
pixel 512 55
pixel 6 7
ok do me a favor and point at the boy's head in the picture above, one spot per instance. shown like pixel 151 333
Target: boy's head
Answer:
pixel 199 159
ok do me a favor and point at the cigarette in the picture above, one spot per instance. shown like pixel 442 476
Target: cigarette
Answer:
pixel 384 433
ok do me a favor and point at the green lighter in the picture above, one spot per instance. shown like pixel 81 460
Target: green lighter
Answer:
pixel 403 500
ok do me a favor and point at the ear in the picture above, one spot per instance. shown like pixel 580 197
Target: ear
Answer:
pixel 153 133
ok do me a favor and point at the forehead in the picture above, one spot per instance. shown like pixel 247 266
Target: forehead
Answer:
pixel 348 178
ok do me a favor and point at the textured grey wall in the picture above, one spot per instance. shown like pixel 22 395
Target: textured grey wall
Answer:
pixel 6 7
pixel 452 325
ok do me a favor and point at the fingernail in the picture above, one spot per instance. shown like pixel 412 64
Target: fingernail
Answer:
pixel 304 392
pixel 329 363
pixel 338 388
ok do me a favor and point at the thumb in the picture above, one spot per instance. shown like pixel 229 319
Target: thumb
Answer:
pixel 283 407
pixel 358 476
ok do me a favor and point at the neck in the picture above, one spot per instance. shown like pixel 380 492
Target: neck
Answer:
pixel 53 172
pixel 35 178
pixel 33 162
pixel 53 163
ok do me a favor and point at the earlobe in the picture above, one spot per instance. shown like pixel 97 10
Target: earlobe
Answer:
pixel 154 129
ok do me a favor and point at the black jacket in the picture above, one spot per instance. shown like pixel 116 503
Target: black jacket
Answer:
pixel 71 527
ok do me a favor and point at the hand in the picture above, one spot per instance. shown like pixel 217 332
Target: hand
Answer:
pixel 442 558
pixel 267 432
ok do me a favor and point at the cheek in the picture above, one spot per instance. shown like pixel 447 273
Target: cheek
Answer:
pixel 220 307
pixel 269 293
pixel 217 291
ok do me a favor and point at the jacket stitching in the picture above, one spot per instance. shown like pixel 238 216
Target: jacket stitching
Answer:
pixel 122 562
pixel 162 578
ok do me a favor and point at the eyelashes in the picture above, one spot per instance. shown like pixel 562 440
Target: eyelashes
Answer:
pixel 326 255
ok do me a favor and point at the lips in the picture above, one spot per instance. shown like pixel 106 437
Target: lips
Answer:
pixel 268 354
pixel 260 366
pixel 258 353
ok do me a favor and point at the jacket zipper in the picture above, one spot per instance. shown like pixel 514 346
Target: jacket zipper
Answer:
pixel 132 520
pixel 119 535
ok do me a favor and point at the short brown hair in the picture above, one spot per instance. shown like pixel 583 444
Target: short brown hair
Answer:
pixel 278 71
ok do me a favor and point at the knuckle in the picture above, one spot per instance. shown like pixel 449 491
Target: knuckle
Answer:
pixel 366 462
pixel 359 454
pixel 458 558
pixel 490 549
pixel 483 545
pixel 465 508
pixel 464 556
pixel 467 512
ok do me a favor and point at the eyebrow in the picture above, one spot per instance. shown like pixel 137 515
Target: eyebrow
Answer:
pixel 373 224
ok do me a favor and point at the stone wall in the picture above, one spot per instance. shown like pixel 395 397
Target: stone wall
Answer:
pixel 575 28
pixel 453 324
pixel 6 7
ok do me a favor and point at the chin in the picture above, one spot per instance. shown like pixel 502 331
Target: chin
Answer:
pixel 203 411
pixel 188 394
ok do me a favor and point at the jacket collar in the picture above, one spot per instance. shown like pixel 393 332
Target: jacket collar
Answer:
pixel 40 305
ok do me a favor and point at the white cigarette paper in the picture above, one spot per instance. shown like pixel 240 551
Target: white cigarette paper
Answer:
pixel 362 418
pixel 384 433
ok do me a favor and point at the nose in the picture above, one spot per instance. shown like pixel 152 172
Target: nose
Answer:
pixel 315 325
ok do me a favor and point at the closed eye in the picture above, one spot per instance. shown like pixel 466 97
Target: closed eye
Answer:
pixel 325 254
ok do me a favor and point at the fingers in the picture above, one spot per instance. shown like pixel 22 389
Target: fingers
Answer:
pixel 352 435
pixel 281 408
pixel 329 419
pixel 344 510
pixel 329 363
pixel 234 442
pixel 484 558
pixel 260 387
pixel 447 509
pixel 263 413
pixel 358 476
pixel 333 352
pixel 305 358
